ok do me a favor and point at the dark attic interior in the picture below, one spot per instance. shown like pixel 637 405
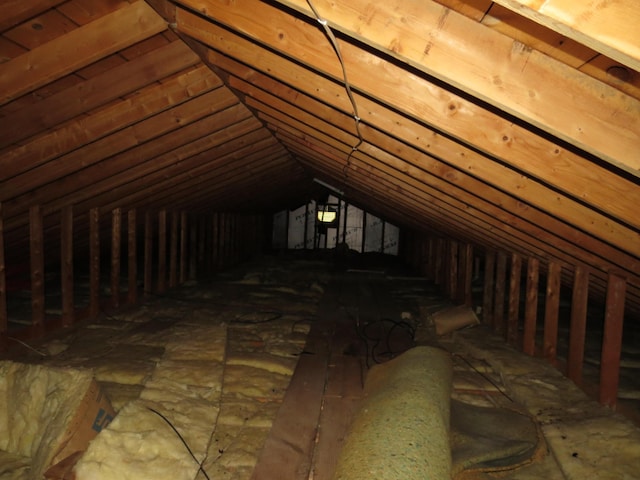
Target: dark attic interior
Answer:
pixel 312 239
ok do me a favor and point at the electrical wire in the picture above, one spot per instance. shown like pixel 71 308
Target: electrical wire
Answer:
pixel 486 377
pixel 356 117
pixel 184 442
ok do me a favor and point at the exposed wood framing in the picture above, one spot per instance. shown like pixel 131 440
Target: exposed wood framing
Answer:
pixel 493 68
pixel 173 251
pixel 612 342
pixel 148 254
pixel 578 326
pixel 116 254
pixel 513 318
pixel 37 271
pixel 88 43
pixel 531 306
pixel 4 324
pixel 500 292
pixel 132 257
pixel 66 263
pixel 94 262
pixel 162 251
pixel 489 284
pixel 610 28
pixel 551 313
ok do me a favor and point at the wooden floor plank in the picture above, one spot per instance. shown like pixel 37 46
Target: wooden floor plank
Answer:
pixel 289 448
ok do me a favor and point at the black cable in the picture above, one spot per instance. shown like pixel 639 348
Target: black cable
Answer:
pixel 183 441
pixel 486 377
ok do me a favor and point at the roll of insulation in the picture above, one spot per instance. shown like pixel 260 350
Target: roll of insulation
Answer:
pixel 401 431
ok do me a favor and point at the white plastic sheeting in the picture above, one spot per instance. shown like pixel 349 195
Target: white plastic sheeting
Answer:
pixel 361 231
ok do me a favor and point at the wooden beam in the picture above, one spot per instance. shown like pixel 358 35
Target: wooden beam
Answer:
pixel 66 262
pixel 4 319
pixel 132 257
pixel 78 48
pixel 18 11
pixel 514 300
pixel 399 126
pixel 489 286
pixel 444 188
pixel 110 131
pixel 151 162
pixel 173 251
pixel 162 251
pixel 116 239
pixel 531 307
pixel 495 69
pixel 452 274
pixel 97 91
pixel 193 247
pixel 94 262
pixel 578 327
pixel 552 305
pixel 37 272
pixel 184 233
pixel 442 109
pixel 499 304
pixel 610 28
pixel 612 341
pixel 148 254
pixel 467 293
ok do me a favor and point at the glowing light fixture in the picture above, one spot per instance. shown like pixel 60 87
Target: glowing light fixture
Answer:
pixel 326 217
pixel 327 213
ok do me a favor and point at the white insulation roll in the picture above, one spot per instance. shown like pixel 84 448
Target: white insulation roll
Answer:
pixel 401 431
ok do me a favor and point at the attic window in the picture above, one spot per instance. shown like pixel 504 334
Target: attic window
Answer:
pixel 327 214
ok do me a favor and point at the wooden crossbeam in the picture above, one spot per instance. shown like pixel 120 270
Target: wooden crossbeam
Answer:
pixel 610 28
pixel 494 68
pixel 78 48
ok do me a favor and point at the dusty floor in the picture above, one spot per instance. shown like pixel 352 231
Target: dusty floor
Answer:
pixel 227 349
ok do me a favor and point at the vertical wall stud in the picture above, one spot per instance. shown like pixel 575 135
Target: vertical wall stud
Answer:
pixel 4 316
pixel 202 243
pixel 66 263
pixel 193 249
pixel 162 251
pixel 148 254
pixel 467 292
pixel 514 299
pixel 183 247
pixel 37 271
pixel 439 251
pixel 453 270
pixel 132 262
pixel 116 239
pixel 531 306
pixel 215 240
pixel 578 328
pixel 94 262
pixel 500 290
pixel 489 287
pixel 612 341
pixel 173 251
pixel 552 305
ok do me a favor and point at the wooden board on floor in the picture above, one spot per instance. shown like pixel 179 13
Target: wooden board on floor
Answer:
pixel 289 448
pixel 337 414
pixel 343 394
